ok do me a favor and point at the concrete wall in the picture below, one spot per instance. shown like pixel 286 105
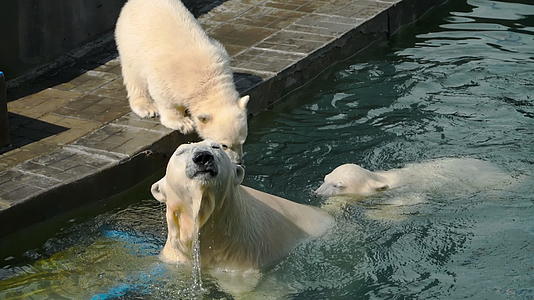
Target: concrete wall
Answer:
pixel 37 32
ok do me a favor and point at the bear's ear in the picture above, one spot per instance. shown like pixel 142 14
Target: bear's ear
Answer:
pixel 204 118
pixel 243 101
pixel 157 191
pixel 377 186
pixel 239 174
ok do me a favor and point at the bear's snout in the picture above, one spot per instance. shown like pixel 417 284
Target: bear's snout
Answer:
pixel 203 164
pixel 203 158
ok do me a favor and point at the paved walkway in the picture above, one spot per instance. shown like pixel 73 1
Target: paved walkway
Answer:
pixel 67 133
pixel 56 116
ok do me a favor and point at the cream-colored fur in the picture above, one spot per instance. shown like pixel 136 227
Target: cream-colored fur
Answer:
pixel 240 228
pixel 456 173
pixel 451 175
pixel 172 68
pixel 407 187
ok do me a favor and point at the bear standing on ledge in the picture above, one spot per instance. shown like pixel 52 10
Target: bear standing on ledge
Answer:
pixel 172 68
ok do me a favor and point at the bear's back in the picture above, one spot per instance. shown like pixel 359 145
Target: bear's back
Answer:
pixel 161 27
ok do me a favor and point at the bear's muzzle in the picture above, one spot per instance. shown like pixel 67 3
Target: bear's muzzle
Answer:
pixel 203 165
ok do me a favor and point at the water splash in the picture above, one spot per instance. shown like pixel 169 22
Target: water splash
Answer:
pixel 163 219
pixel 196 272
pixel 195 262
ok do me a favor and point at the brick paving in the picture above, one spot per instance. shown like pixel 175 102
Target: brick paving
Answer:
pixel 80 127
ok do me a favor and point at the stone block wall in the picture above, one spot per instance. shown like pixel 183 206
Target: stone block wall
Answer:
pixel 36 33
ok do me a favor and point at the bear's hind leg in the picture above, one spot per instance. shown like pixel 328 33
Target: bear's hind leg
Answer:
pixel 138 95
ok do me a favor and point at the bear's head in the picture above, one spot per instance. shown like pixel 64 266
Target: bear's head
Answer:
pixel 198 179
pixel 227 125
pixel 351 179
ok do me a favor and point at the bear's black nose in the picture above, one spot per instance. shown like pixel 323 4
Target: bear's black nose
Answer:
pixel 202 158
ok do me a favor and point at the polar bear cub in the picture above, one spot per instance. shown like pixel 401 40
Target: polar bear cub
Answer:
pixel 239 228
pixel 457 174
pixel 172 68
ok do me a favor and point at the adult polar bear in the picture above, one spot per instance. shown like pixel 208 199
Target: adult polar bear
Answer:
pixel 240 228
pixel 172 68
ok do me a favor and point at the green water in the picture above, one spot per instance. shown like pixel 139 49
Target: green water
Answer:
pixel 460 83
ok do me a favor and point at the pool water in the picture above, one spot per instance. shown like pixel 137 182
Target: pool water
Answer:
pixel 459 83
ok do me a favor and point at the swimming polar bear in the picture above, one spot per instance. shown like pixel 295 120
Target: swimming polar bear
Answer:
pixel 462 173
pixel 411 184
pixel 172 68
pixel 239 228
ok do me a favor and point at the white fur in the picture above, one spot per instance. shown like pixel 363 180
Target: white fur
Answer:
pixel 172 68
pixel 448 175
pixel 240 228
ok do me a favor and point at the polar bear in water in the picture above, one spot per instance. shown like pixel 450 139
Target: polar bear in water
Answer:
pixel 172 68
pixel 411 184
pixel 239 228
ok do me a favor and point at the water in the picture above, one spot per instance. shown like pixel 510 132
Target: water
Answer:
pixel 195 259
pixel 458 84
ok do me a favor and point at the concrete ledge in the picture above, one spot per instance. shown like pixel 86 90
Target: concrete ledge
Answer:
pixel 278 47
pixel 76 174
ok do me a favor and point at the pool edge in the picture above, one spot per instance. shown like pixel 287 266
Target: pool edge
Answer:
pixel 42 189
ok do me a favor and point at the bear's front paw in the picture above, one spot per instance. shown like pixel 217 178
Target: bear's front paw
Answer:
pixel 184 125
pixel 188 125
pixel 145 110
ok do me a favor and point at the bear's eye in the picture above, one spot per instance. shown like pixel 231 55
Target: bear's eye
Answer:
pixel 339 185
pixel 215 147
pixel 224 146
